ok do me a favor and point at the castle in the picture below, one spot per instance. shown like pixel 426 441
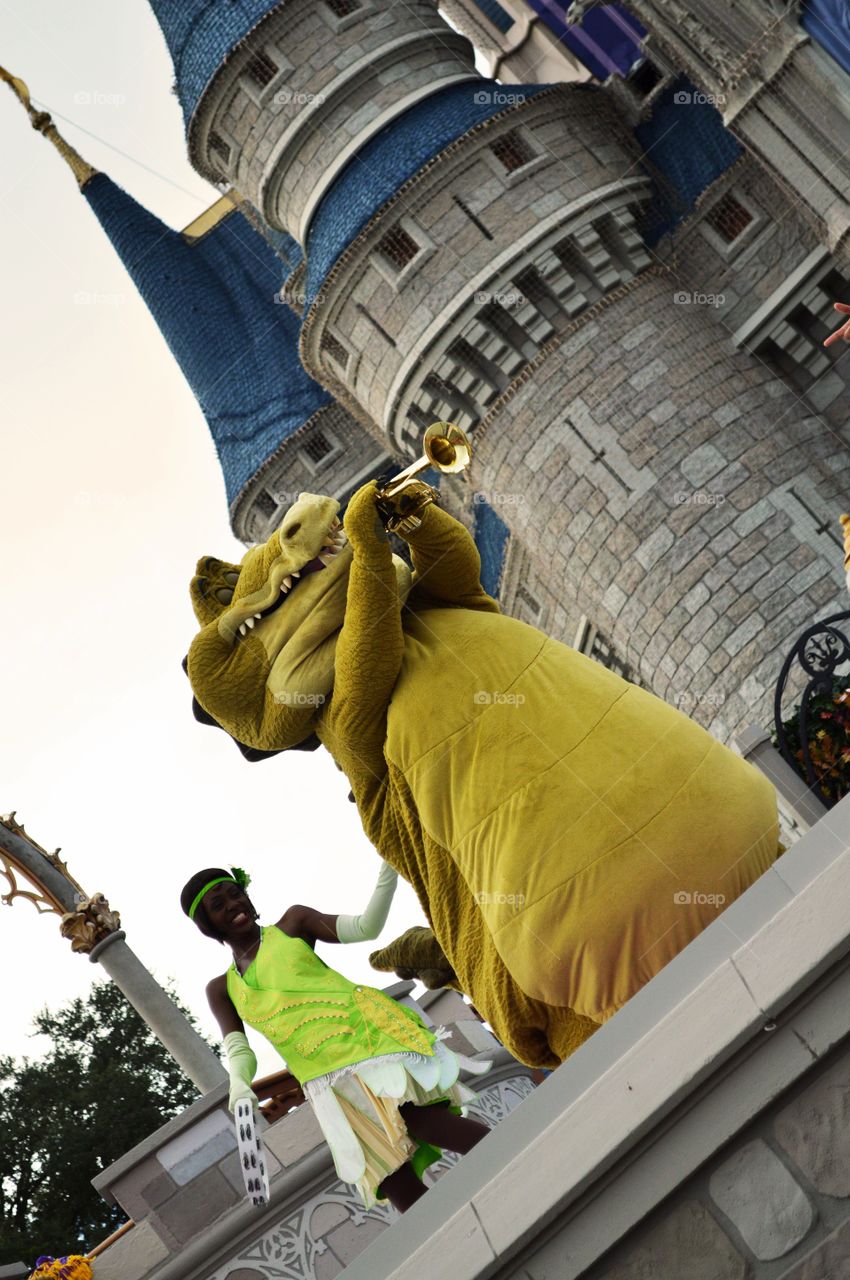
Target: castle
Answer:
pixel 612 260
pixel 619 290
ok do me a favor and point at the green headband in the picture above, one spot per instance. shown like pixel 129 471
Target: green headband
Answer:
pixel 239 877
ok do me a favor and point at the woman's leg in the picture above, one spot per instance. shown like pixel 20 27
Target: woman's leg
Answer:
pixel 402 1188
pixel 439 1126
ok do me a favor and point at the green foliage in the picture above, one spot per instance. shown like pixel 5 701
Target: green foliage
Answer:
pixel 828 728
pixel 105 1084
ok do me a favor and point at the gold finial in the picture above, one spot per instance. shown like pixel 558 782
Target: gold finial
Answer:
pixel 43 122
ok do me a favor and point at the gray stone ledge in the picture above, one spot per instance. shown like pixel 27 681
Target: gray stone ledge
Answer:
pixel 647 1129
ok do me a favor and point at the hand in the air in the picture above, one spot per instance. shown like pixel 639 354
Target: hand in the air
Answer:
pixel 844 331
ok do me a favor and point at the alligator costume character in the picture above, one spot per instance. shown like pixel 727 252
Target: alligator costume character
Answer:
pixel 566 832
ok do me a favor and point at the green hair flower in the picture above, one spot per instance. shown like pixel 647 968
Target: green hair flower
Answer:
pixel 241 877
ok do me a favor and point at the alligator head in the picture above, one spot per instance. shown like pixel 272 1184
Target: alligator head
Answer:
pixel 262 665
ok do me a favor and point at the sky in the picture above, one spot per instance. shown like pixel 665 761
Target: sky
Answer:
pixel 111 492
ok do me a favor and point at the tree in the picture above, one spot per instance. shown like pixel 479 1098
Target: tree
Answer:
pixel 105 1084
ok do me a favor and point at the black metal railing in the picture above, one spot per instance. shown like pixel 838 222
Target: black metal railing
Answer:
pixel 820 651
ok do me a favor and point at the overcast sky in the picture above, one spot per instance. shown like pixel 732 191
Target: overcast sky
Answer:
pixel 111 491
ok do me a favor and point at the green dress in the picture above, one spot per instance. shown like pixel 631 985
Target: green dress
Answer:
pixel 358 1054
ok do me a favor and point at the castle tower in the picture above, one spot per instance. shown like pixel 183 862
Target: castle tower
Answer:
pixel 474 252
pixel 778 74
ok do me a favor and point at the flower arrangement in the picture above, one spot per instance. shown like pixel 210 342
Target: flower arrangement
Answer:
pixel 72 1267
pixel 828 727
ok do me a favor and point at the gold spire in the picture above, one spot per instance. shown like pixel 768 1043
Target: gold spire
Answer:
pixel 42 121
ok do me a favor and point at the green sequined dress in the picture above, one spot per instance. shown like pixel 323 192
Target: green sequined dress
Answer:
pixel 358 1054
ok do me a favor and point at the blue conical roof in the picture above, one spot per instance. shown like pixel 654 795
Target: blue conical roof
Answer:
pixel 214 302
pixel 201 34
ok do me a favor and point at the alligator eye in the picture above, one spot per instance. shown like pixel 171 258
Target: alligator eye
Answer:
pixel 224 595
pixel 292 530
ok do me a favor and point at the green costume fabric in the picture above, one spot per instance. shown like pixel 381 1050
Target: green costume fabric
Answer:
pixel 318 1020
pixel 566 832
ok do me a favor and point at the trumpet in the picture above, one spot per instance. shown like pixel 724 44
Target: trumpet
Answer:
pixel 402 498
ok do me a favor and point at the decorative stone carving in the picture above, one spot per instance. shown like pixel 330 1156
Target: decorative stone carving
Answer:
pixel 92 921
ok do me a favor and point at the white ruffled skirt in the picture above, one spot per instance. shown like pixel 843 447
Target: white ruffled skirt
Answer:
pixel 357 1108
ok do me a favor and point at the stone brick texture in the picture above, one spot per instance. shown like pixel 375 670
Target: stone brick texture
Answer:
pixel 675 534
pixel 773 1204
pixel 582 150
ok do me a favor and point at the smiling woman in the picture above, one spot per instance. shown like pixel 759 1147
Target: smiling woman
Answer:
pixel 383 1086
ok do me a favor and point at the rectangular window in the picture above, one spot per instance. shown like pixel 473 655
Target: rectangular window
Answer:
pixel 398 247
pixel 500 18
pixel 344 8
pixel 261 68
pixel 729 218
pixel 512 150
pixel 266 503
pixel 334 348
pixel 220 147
pixel 318 447
pixel 524 596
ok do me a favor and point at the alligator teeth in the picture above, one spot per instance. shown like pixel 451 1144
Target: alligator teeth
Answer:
pixel 249 622
pixel 296 573
pixel 325 558
pixel 258 616
pixel 243 630
pixel 287 581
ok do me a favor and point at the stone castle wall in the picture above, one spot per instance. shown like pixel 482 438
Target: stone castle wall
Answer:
pixel 775 1203
pixel 678 489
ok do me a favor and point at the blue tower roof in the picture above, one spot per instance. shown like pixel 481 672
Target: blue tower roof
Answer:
pixel 201 35
pixel 386 162
pixel 491 538
pixel 689 146
pixel 828 23
pixel 214 302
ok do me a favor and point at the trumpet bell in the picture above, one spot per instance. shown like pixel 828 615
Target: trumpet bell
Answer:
pixel 447 447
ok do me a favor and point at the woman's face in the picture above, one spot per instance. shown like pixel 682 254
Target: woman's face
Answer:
pixel 230 911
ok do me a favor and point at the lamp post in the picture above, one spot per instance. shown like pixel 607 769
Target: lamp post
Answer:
pixel 93 928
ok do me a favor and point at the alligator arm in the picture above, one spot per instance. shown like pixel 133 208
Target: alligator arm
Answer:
pixel 447 564
pixel 369 651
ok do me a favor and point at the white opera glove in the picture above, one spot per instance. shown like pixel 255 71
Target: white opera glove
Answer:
pixel 371 922
pixel 242 1067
